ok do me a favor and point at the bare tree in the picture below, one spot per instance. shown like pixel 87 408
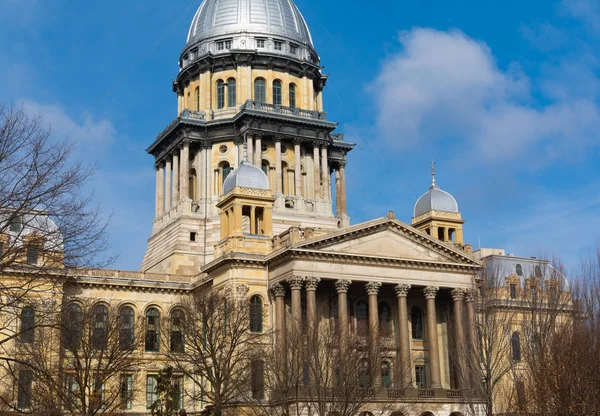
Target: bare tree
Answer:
pixel 562 347
pixel 483 363
pixel 219 349
pixel 47 218
pixel 317 374
pixel 84 364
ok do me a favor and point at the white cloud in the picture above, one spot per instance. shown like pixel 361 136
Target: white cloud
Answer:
pixel 446 85
pixel 587 11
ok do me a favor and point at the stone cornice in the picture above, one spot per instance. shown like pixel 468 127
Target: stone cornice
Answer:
pixel 290 254
pixel 233 260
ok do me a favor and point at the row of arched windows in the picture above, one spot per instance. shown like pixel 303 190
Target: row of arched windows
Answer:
pixel 227 93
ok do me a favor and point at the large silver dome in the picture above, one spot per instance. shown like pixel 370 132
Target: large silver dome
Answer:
pixel 280 18
pixel 437 200
pixel 246 176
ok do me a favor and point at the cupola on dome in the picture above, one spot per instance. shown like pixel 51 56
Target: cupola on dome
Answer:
pixel 272 26
pixel 246 176
pixel 435 199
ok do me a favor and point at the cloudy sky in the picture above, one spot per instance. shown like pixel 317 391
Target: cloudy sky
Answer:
pixel 504 95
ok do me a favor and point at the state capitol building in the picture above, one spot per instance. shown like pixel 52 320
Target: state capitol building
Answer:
pixel 251 198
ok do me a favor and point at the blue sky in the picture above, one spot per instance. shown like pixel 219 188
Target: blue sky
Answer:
pixel 503 95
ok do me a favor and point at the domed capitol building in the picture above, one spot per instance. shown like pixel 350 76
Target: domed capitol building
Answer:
pixel 251 199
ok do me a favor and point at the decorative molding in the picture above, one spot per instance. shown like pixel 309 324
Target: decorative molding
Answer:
pixel 430 292
pixel 277 290
pixel 311 283
pixel 402 290
pixel 295 282
pixel 342 285
pixel 373 287
pixel 470 295
pixel 457 295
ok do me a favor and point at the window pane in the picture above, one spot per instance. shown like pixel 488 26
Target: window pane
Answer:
pixel 100 320
pixel 126 330
pixel 32 255
pixel 416 318
pixel 152 330
pixel 516 346
pixel 27 326
pixel 386 374
pixel 362 318
pixel 73 327
pixel 293 95
pixel 258 381
pixel 256 314
pixel 220 94
pixel 420 377
pixel 151 393
pixel 385 319
pixel 231 92
pixel 177 339
pixel 178 393
pixel 126 391
pixel 277 92
pixel 24 389
pixel 260 90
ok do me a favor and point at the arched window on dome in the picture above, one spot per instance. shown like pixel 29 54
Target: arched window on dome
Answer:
pixel 293 95
pixel 416 320
pixel 260 90
pixel 277 92
pixel 197 99
pixel 231 92
pixel 220 94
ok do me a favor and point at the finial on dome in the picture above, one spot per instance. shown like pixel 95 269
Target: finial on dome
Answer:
pixel 433 173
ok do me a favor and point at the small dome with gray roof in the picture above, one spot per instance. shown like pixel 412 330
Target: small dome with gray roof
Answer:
pixel 435 199
pixel 246 176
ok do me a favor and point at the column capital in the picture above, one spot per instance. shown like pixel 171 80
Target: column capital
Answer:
pixel 277 138
pixel 457 295
pixel 324 146
pixel 295 282
pixel 470 295
pixel 297 140
pixel 277 290
pixel 430 292
pixel 402 290
pixel 186 143
pixel 373 287
pixel 311 283
pixel 342 285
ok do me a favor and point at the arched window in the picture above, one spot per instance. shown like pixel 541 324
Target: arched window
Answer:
pixel 126 326
pixel 225 171
pixel 385 319
pixel 265 167
pixel 516 346
pixel 293 95
pixel 73 326
pixel 362 318
pixel 99 322
pixel 386 375
pixel 197 98
pixel 177 325
pixel 416 319
pixel 519 270
pixel 231 92
pixel 27 326
pixel 260 90
pixel 277 92
pixel 220 94
pixel 256 314
pixel 152 330
pixel 364 378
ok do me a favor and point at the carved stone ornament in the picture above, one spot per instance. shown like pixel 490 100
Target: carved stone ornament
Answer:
pixel 242 290
pixel 430 292
pixel 402 290
pixel 342 285
pixel 295 282
pixel 278 290
pixel 470 295
pixel 373 287
pixel 457 295
pixel 311 283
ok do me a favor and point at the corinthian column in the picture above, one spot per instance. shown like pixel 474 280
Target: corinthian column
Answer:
pixel 404 369
pixel 168 184
pixel 324 173
pixel 317 173
pixel 175 179
pixel 434 355
pixel 295 283
pixel 342 286
pixel 473 347
pixel 297 168
pixel 460 342
pixel 311 284
pixel 278 292
pixel 258 151
pixel 185 170
pixel 159 185
pixel 372 290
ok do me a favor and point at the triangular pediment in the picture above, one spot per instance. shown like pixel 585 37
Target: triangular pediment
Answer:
pixel 388 238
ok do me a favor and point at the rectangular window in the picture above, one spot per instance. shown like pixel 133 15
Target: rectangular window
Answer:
pixel 513 291
pixel 24 389
pixel 260 43
pixel 151 393
pixel 98 399
pixel 126 391
pixel 420 377
pixel 278 45
pixel 177 385
pixel 71 388
pixel 258 380
pixel 16 224
pixel 293 49
pixel 534 293
pixel 32 255
pixel 224 45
